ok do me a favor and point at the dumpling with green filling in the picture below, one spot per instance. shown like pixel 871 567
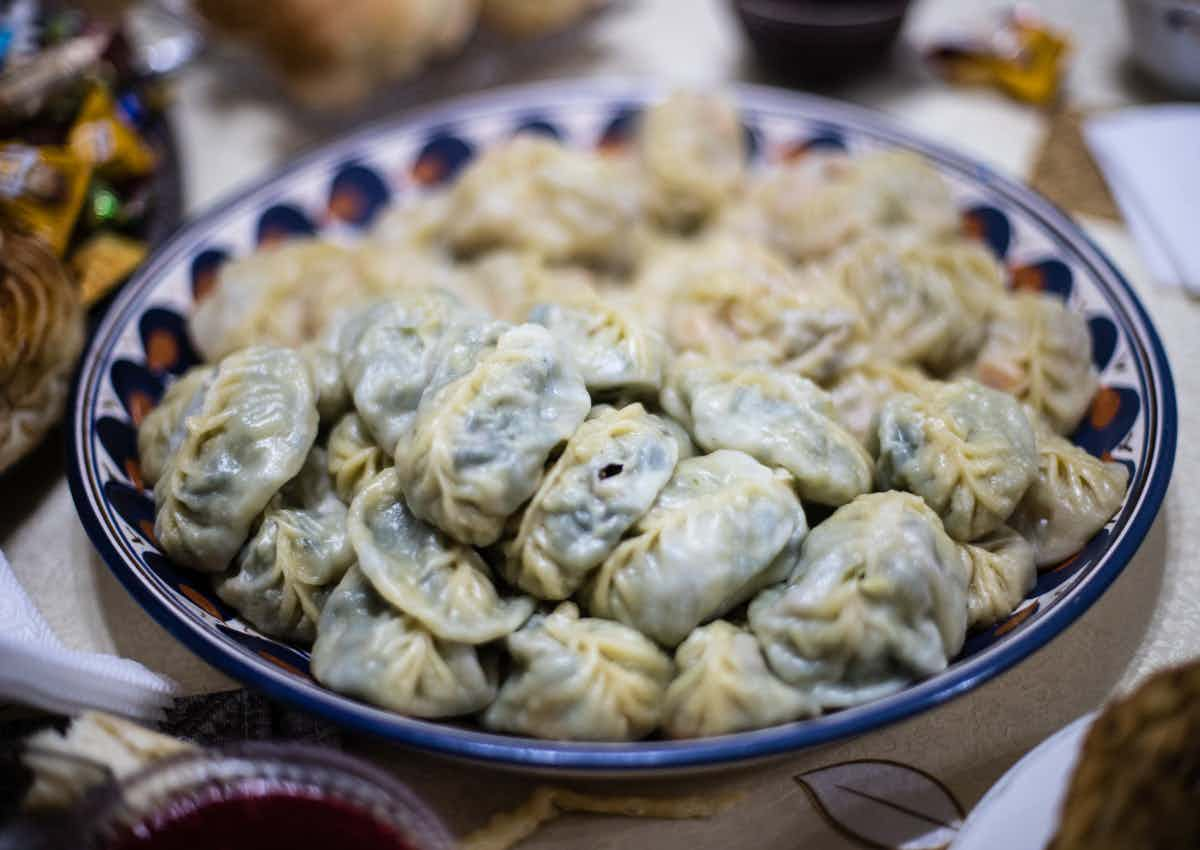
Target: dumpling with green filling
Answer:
pixel 284 573
pixel 161 432
pixel 354 457
pixel 723 685
pixel 480 441
pixel 778 418
pixel 443 584
pixel 1073 496
pixel 581 679
pixel 967 450
pixel 722 528
pixel 920 309
pixel 614 352
pixel 368 649
pixel 249 436
pixel 388 352
pixel 1002 572
pixel 609 474
pixel 877 601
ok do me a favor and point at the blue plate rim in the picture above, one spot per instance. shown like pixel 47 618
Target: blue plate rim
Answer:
pixel 645 755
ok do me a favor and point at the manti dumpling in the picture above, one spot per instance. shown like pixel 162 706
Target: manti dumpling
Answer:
pixel 967 450
pixel 286 570
pixel 161 432
pixel 1002 572
pixel 480 441
pixel 723 685
pixel 1072 497
pixel 747 306
pixel 534 194
pixel 249 436
pixel 388 353
pixel 878 600
pixel 859 394
pixel 368 649
pixel 1040 351
pixel 279 295
pixel 443 584
pixel 581 679
pixel 925 302
pixel 810 206
pixel 723 527
pixel 693 151
pixel 614 352
pixel 776 417
pixel 609 474
pixel 354 456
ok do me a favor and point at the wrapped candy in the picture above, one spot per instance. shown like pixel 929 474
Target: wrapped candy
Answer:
pixel 1024 58
pixel 101 136
pixel 42 190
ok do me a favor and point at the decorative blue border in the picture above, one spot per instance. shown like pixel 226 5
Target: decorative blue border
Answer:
pixel 652 755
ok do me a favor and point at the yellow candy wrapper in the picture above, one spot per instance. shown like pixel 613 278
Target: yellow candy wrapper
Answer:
pixel 1024 58
pixel 103 261
pixel 101 137
pixel 42 190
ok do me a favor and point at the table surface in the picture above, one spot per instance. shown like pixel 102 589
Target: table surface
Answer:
pixel 1147 620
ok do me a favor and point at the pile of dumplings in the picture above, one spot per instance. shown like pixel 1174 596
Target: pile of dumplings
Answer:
pixel 594 446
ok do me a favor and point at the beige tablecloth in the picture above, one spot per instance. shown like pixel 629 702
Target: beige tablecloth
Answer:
pixel 1147 620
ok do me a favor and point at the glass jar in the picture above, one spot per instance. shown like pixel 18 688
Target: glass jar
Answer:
pixel 263 795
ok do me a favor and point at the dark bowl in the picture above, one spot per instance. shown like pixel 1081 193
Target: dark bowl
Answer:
pixel 820 39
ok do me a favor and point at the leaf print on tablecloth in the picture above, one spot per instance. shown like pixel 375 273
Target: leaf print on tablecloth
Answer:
pixel 884 804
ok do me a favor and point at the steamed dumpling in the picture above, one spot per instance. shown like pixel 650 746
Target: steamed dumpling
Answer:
pixel 280 295
pixel 480 441
pixel 967 450
pixel 354 456
pixel 810 206
pixel 926 303
pixel 877 601
pixel 608 475
pixel 368 649
pixel 1002 572
pixel 248 437
pixel 724 686
pixel 388 353
pixel 723 527
pixel 1072 497
pixel 284 573
pixel 739 303
pixel 581 679
pixel 161 432
pixel 777 418
pixel 443 584
pixel 534 194
pixel 1040 351
pixel 692 150
pixel 612 350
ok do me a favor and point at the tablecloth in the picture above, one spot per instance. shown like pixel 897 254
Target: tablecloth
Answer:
pixel 943 760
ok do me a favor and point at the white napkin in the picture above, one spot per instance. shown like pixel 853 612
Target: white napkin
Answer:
pixel 36 669
pixel 1151 158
